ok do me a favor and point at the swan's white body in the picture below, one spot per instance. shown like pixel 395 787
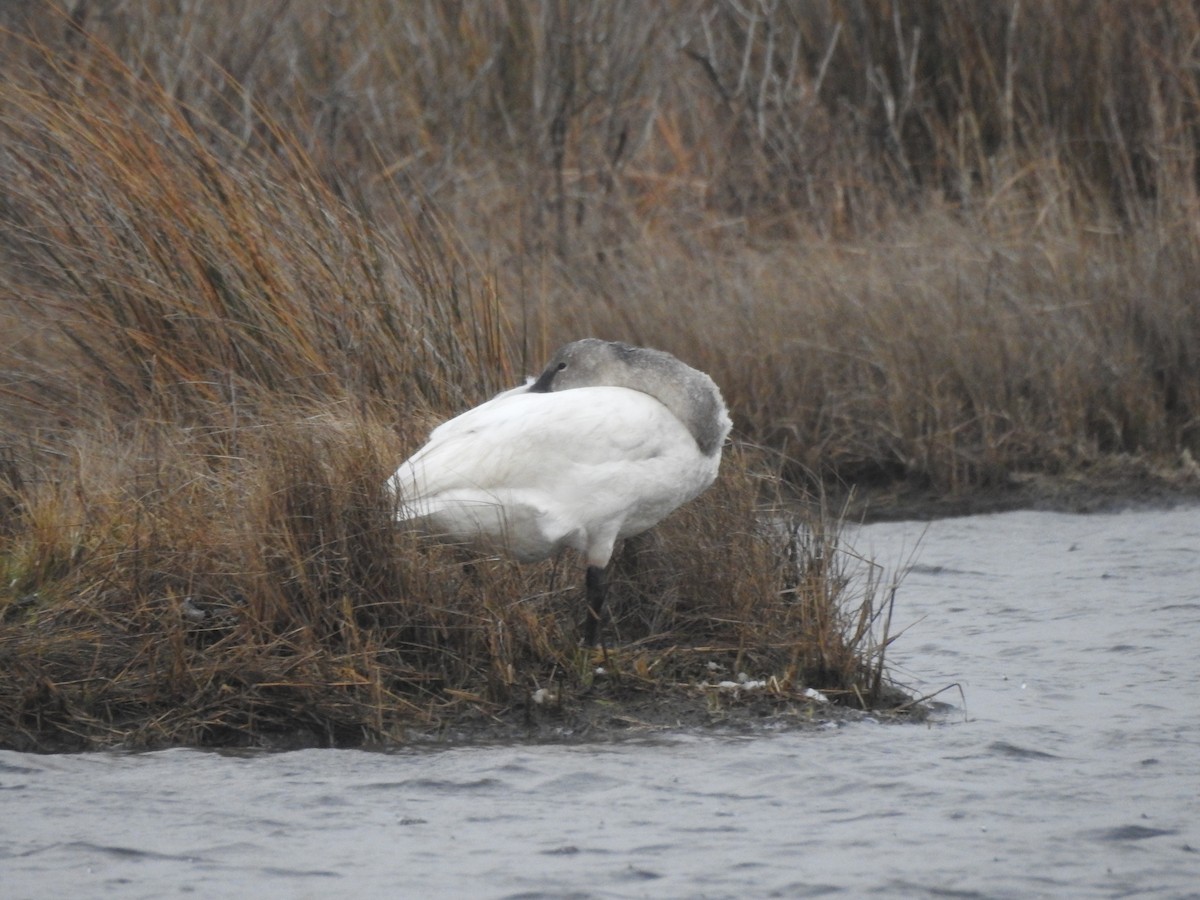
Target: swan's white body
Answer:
pixel 529 474
pixel 569 462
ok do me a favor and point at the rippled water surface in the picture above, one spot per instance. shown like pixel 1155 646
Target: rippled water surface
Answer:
pixel 1073 769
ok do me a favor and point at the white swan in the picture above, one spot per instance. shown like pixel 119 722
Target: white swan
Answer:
pixel 606 443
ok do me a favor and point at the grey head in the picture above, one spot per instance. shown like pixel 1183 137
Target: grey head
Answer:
pixel 688 393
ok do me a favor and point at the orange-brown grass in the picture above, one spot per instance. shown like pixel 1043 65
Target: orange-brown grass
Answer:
pixel 156 594
pixel 214 366
pixel 927 242
pixel 795 114
pixel 143 266
pixel 943 356
pixel 743 577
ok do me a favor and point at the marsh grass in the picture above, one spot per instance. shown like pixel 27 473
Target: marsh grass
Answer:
pixel 167 597
pixel 249 258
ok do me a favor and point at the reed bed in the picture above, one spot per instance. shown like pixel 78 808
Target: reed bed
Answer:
pixel 251 252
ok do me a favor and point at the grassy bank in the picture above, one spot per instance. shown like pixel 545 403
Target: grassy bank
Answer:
pixel 249 255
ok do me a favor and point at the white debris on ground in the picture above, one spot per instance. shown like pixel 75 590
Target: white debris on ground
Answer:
pixel 744 683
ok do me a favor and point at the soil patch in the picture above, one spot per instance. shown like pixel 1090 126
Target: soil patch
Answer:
pixel 1110 485
pixel 616 710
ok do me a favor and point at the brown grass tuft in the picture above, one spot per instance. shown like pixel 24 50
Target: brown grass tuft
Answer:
pixel 172 596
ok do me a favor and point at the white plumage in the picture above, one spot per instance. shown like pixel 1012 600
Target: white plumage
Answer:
pixel 606 443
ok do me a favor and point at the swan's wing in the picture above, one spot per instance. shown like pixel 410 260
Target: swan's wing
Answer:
pixel 523 440
pixel 530 473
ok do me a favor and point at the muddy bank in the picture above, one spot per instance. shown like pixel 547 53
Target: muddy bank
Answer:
pixel 618 710
pixel 1105 486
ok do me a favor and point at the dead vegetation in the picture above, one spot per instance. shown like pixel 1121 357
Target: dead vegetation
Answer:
pixel 250 252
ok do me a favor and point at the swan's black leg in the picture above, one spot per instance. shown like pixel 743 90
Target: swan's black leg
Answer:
pixel 597 588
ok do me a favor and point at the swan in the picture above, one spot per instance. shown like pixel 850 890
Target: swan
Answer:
pixel 603 445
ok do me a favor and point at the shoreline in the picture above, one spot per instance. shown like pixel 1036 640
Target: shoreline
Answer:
pixel 1105 487
pixel 625 706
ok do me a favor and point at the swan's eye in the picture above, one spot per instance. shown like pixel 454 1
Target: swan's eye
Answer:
pixel 561 366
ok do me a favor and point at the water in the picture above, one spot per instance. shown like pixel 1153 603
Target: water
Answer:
pixel 1073 769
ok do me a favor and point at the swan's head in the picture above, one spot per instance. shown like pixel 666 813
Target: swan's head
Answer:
pixel 687 392
pixel 587 363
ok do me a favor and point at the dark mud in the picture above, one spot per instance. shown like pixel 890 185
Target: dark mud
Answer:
pixel 617 708
pixel 614 712
pixel 1111 485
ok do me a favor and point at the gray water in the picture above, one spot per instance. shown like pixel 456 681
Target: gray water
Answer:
pixel 1071 769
